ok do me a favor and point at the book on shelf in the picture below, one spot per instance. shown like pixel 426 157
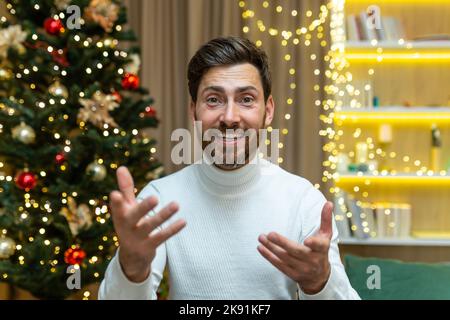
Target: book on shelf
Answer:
pixel 363 220
pixel 366 32
pixel 404 216
pixel 393 29
pixel 352 29
pixel 357 218
pixel 357 28
pixel 368 214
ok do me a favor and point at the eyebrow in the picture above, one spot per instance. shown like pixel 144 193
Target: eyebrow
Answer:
pixel 222 90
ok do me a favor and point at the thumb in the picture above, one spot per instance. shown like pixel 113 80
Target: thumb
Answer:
pixel 126 184
pixel 326 228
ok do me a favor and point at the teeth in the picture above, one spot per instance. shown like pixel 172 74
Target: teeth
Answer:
pixel 232 137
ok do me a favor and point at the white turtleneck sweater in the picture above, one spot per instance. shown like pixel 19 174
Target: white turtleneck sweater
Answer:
pixel 215 256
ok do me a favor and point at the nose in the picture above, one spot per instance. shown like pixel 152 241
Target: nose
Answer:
pixel 230 117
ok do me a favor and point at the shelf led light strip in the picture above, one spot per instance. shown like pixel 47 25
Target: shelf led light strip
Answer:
pixel 425 2
pixel 393 117
pixel 410 180
pixel 399 56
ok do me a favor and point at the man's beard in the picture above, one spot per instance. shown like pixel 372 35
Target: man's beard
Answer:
pixel 240 152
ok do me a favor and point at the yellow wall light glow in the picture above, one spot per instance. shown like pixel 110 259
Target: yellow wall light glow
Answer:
pixel 393 117
pixel 382 2
pixel 414 57
pixel 393 180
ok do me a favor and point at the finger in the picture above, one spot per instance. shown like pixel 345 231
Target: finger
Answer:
pixel 171 230
pixel 282 254
pixel 317 244
pixel 126 184
pixel 295 249
pixel 117 204
pixel 141 209
pixel 147 224
pixel 326 228
pixel 275 261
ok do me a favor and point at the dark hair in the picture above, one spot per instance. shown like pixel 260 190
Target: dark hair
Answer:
pixel 228 51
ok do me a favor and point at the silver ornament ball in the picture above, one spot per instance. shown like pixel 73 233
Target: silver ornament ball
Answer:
pixel 97 171
pixel 7 247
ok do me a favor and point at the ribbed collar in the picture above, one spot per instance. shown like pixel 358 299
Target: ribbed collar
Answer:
pixel 228 182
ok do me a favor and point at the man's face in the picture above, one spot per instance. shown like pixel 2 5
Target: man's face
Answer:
pixel 232 98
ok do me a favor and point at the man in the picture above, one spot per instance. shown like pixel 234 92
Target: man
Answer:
pixel 246 230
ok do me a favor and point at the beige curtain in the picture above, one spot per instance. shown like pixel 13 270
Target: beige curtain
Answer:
pixel 170 32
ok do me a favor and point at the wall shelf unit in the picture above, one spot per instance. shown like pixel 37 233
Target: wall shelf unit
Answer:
pixel 389 148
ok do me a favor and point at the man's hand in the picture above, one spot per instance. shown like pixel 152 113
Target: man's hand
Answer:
pixel 306 264
pixel 135 228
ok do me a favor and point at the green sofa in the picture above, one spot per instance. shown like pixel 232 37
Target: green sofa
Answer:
pixel 397 279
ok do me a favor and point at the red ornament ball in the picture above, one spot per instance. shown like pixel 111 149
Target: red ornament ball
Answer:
pixel 130 81
pixel 74 255
pixel 60 158
pixel 53 26
pixel 26 180
pixel 150 112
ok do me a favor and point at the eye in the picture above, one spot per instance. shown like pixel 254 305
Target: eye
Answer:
pixel 247 100
pixel 213 101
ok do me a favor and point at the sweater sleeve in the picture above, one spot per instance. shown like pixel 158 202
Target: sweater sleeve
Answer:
pixel 116 286
pixel 338 286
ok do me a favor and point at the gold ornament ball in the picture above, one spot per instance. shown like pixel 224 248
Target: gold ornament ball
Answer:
pixel 7 247
pixel 24 133
pixel 58 90
pixel 97 171
pixel 5 74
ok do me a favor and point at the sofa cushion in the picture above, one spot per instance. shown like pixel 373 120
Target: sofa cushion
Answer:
pixel 398 280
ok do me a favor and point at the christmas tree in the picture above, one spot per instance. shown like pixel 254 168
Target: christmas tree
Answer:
pixel 71 112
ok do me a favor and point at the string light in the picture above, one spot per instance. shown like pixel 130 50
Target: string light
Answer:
pixel 288 35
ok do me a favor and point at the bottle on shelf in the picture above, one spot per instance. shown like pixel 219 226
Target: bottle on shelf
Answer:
pixel 375 102
pixel 385 137
pixel 436 144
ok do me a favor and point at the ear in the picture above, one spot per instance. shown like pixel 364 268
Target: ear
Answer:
pixel 270 109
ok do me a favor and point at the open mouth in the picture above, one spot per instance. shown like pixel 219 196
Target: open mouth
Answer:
pixel 231 138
